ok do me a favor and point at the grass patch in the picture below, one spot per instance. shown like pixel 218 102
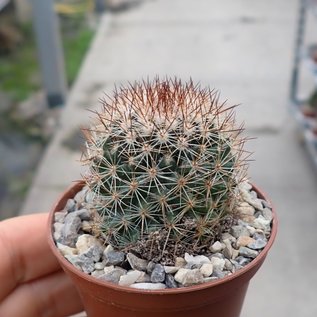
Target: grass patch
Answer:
pixel 20 70
pixel 75 49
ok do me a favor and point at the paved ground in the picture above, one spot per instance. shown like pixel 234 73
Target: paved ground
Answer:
pixel 243 48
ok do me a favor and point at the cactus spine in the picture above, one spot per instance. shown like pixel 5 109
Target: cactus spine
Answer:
pixel 164 155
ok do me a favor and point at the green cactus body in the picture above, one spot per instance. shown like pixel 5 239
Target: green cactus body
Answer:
pixel 164 156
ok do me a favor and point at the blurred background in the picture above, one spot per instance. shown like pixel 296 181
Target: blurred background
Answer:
pixel 27 120
pixel 57 58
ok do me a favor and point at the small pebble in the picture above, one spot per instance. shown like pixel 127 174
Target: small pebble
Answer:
pixel 171 269
pixel 261 223
pixel 266 204
pixel 81 262
pixel 108 269
pixel 86 226
pixel 108 248
pixel 246 210
pixel 249 253
pixel 70 205
pixel 245 186
pixel 238 231
pixel 216 247
pixel 242 261
pixel 137 263
pixel 83 214
pixel 188 277
pixel 259 234
pixel 113 258
pixel 247 218
pixel 59 216
pixel 94 253
pixel 144 278
pixel 149 286
pixel 58 227
pixel 89 196
pixel 217 263
pixel 99 266
pixel 253 194
pixel 196 261
pixel 85 241
pixel 218 273
pixel 170 281
pixel 251 229
pixel 228 265
pixel 113 276
pixel 218 255
pixel 130 278
pixel 57 236
pixel 253 201
pixel 158 274
pixel 66 250
pixel 150 267
pixel 227 251
pixel 180 262
pixel 69 232
pixel 210 279
pixel 97 273
pixel 257 244
pixel 267 214
pixel 206 269
pixel 235 253
pixel 243 241
pixel 228 236
pixel 80 196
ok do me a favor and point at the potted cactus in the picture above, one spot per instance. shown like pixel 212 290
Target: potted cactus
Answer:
pixel 164 223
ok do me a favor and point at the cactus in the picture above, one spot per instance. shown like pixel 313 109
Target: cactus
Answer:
pixel 164 156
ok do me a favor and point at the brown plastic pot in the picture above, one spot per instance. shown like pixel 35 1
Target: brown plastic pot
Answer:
pixel 220 298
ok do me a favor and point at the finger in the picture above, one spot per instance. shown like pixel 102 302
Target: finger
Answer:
pixel 24 251
pixel 50 296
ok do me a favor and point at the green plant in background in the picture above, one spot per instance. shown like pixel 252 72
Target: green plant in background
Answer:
pixel 19 70
pixel 75 49
pixel 165 159
pixel 312 101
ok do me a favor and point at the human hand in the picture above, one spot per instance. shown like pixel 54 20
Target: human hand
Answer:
pixel 32 284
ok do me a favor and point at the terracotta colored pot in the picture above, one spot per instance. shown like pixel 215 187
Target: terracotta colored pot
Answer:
pixel 220 298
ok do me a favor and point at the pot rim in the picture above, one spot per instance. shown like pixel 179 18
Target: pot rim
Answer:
pixel 166 291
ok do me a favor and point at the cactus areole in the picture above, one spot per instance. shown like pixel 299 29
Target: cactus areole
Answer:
pixel 165 159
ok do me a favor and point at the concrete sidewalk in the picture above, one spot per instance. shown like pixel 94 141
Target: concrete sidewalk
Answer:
pixel 243 48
